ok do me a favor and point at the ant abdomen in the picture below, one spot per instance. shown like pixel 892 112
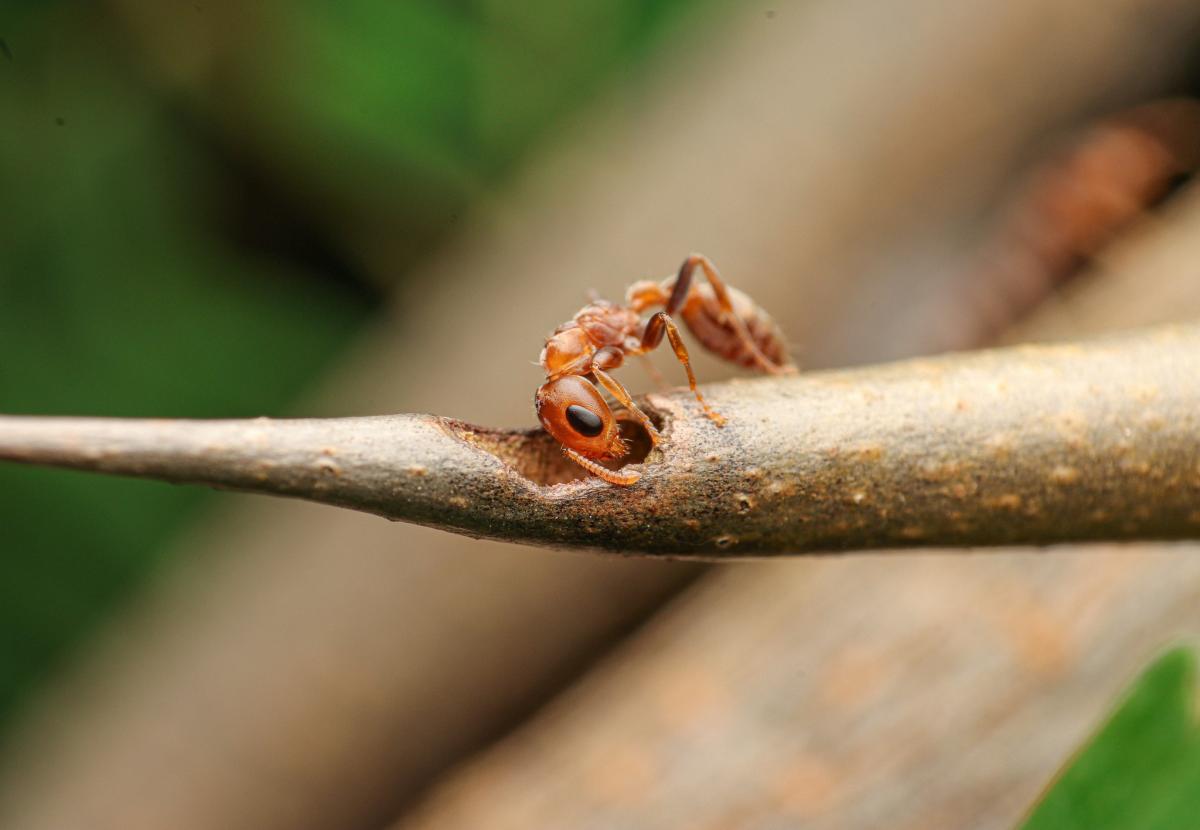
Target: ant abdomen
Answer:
pixel 707 321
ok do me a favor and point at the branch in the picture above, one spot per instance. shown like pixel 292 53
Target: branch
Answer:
pixel 1029 445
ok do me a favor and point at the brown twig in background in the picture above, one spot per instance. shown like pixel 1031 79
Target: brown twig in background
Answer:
pixel 1069 207
pixel 1029 445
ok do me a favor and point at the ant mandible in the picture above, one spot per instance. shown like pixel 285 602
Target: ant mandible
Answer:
pixel 583 350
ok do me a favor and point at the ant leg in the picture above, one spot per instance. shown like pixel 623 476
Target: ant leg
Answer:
pixel 622 477
pixel 653 372
pixel 682 289
pixel 653 335
pixel 622 394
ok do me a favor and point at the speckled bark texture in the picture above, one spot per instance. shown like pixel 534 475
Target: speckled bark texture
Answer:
pixel 1027 445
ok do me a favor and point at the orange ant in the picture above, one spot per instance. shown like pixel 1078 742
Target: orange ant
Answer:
pixel 597 339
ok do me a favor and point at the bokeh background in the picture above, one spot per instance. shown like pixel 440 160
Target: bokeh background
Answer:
pixel 221 209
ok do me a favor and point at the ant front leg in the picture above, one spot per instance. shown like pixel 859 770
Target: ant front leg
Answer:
pixel 652 337
pixel 610 359
pixel 679 295
pixel 622 477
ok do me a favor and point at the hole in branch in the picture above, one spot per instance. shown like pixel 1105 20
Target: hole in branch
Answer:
pixel 636 438
pixel 535 455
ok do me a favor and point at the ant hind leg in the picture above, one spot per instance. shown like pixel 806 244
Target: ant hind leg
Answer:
pixel 682 289
pixel 655 375
pixel 652 337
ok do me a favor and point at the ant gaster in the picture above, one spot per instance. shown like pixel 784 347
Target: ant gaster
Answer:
pixel 581 353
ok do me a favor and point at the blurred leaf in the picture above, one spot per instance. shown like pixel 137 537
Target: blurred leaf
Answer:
pixel 117 297
pixel 1143 769
pixel 385 85
pixel 388 119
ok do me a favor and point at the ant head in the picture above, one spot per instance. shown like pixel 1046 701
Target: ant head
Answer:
pixel 573 411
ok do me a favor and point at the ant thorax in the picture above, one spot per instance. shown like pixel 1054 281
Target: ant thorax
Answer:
pixel 567 352
pixel 607 324
pixel 570 349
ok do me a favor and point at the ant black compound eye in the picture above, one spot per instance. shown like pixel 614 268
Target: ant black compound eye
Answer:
pixel 584 421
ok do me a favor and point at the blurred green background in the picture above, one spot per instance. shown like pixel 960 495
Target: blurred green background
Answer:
pixel 200 204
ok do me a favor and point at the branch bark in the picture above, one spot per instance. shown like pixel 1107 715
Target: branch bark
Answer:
pixel 1027 445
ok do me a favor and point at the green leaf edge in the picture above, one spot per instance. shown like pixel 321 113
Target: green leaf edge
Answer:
pixel 1155 722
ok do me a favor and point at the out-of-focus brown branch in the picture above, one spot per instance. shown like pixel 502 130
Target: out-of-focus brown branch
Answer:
pixel 1034 444
pixel 1072 205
